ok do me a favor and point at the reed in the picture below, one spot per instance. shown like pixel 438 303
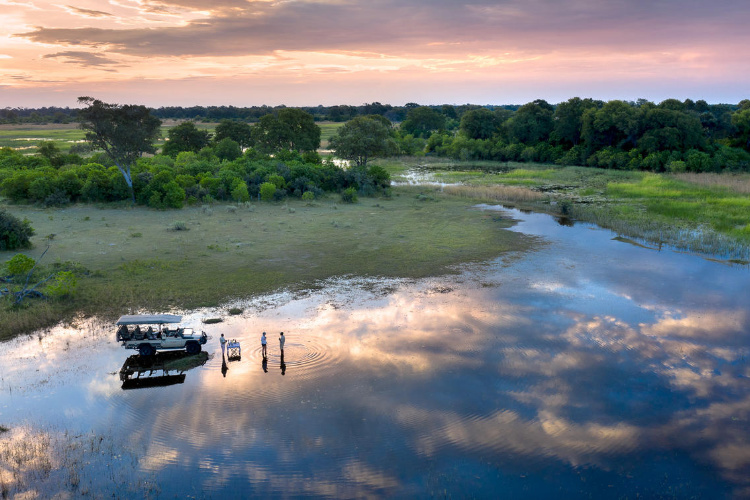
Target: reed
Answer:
pixel 496 193
pixel 739 183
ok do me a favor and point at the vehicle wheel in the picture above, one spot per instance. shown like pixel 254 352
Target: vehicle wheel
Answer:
pixel 146 350
pixel 193 348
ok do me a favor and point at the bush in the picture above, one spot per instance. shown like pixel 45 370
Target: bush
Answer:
pixel 240 192
pixel 349 195
pixel 13 232
pixel 308 196
pixel 174 195
pixel 63 285
pixel 267 190
pixel 20 264
pixel 676 167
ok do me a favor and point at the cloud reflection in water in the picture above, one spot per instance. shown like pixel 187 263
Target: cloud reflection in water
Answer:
pixel 587 358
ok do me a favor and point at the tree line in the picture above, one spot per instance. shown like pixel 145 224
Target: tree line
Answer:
pixel 338 113
pixel 274 159
pixel 670 136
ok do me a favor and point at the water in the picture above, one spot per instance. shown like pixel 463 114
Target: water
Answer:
pixel 589 367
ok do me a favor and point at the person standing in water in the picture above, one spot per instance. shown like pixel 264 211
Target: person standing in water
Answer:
pixel 263 345
pixel 281 341
pixel 223 344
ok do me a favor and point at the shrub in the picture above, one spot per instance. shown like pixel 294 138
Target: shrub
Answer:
pixel 64 284
pixel 13 232
pixel 56 199
pixel 308 196
pixel 676 166
pixel 20 264
pixel 240 192
pixel 565 206
pixel 174 195
pixel 349 195
pixel 277 181
pixel 267 190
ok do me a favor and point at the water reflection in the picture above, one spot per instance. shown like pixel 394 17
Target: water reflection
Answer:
pixel 159 370
pixel 589 366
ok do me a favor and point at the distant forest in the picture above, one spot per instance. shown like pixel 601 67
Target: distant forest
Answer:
pixel 340 113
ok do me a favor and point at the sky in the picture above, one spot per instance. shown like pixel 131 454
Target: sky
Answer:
pixel 311 52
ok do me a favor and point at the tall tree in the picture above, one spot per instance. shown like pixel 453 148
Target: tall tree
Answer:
pixel 185 137
pixel 532 122
pixel 568 119
pixel 480 123
pixel 614 124
pixel 422 121
pixel 239 132
pixel 290 129
pixel 362 138
pixel 123 132
pixel 741 121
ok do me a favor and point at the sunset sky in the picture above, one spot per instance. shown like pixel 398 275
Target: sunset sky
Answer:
pixel 310 52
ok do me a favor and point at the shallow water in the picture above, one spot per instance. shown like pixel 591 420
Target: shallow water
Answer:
pixel 589 367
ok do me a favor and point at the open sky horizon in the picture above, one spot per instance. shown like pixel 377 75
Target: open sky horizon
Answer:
pixel 311 52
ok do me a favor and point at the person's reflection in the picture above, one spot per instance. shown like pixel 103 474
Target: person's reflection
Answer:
pixel 224 367
pixel 264 364
pixel 283 365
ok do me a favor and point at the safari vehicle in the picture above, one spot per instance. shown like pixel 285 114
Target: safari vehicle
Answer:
pixel 149 333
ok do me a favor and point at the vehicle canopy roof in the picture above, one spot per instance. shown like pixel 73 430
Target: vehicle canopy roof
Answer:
pixel 148 319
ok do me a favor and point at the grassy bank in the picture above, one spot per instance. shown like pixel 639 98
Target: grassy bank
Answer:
pixel 139 261
pixel 707 213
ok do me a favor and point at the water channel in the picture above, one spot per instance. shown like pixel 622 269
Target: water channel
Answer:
pixel 588 367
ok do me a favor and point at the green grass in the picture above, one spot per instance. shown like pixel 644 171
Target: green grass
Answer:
pixel 708 213
pixel 228 255
pixel 25 138
pixel 714 207
pixel 328 130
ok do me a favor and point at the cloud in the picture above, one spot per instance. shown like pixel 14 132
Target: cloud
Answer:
pixel 87 12
pixel 86 59
pixel 235 27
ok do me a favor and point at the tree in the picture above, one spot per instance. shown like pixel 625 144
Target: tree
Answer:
pixel 48 149
pixel 227 149
pixel 239 132
pixel 532 122
pixel 614 124
pixel 185 137
pixel 479 123
pixel 361 139
pixel 422 121
pixel 569 120
pixel 124 132
pixel 666 129
pixel 741 121
pixel 14 233
pixel 290 129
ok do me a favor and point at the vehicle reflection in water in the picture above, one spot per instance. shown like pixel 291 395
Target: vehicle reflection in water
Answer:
pixel 159 370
